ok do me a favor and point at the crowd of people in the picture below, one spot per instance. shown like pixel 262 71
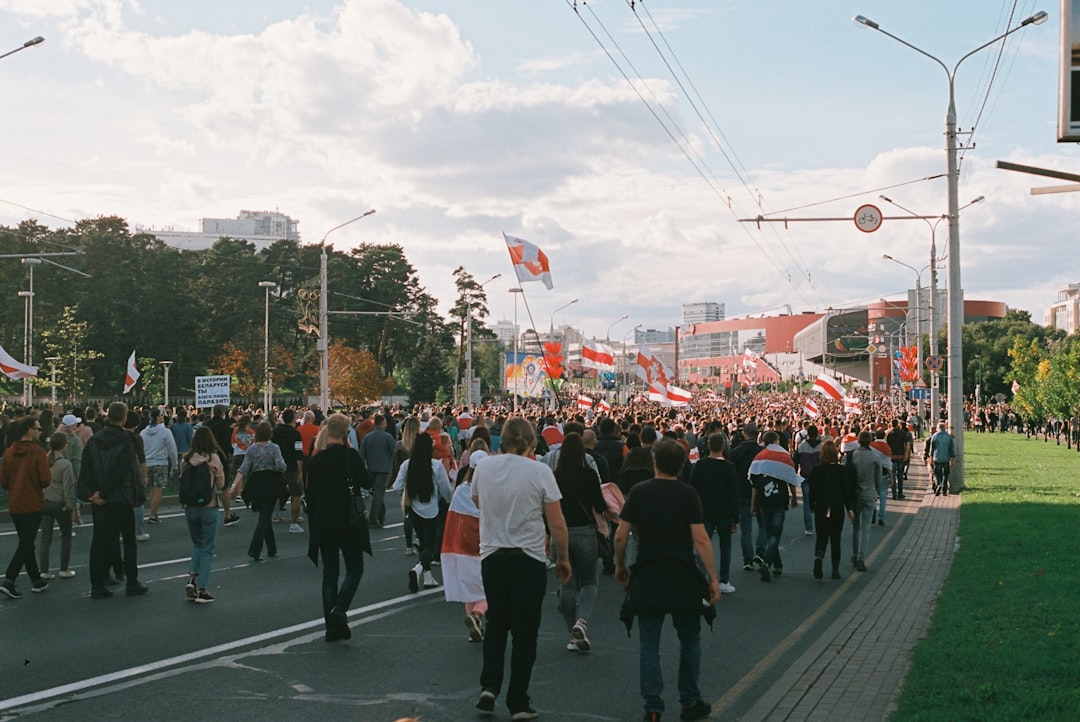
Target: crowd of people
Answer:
pixel 492 498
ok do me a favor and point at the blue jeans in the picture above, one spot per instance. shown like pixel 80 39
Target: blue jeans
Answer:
pixel 899 470
pixel 941 476
pixel 723 535
pixel 807 515
pixel 883 496
pixel 746 530
pixel 773 523
pixel 688 627
pixel 860 529
pixel 202 525
pixel 332 595
pixel 578 596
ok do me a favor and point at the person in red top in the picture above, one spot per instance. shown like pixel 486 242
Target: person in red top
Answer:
pixel 442 450
pixel 365 426
pixel 879 444
pixel 25 473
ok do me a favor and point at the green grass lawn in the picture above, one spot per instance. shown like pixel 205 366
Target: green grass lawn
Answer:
pixel 1004 642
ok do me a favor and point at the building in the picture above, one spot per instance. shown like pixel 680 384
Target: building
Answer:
pixel 702 312
pixel 262 228
pixel 505 332
pixel 654 336
pixel 1065 312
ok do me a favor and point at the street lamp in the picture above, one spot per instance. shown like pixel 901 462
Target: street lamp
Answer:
pixel 934 404
pixel 956 293
pixel 165 365
pixel 468 347
pixel 28 388
pixel 918 313
pixel 52 366
pixel 266 286
pixel 551 321
pixel 28 44
pixel 617 321
pixel 517 291
pixel 323 345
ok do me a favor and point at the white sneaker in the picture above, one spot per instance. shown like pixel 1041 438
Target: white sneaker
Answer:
pixel 296 529
pixel 67 574
pixel 142 537
pixel 47 575
pixel 429 580
pixel 727 588
pixel 414 579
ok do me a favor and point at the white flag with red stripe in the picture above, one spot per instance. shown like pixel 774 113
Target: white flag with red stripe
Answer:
pixel 598 356
pixel 676 396
pixel 750 359
pixel 584 402
pixel 852 405
pixel 132 375
pixel 652 370
pixel 13 369
pixel 811 409
pixel 603 406
pixel 530 263
pixel 830 387
pixel 695 455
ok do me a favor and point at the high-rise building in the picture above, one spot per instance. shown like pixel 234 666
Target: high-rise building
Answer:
pixel 1065 312
pixel 702 312
pixel 505 332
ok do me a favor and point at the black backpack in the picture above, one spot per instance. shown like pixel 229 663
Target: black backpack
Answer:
pixel 195 485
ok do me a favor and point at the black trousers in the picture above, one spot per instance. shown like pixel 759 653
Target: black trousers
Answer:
pixel 264 528
pixel 111 523
pixel 828 535
pixel 26 527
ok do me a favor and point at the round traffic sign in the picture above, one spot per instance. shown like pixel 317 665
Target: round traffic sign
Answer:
pixel 934 363
pixel 867 218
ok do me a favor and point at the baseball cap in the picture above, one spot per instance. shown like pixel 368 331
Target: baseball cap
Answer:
pixel 70 420
pixel 475 457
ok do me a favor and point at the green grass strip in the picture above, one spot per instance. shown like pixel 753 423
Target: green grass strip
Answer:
pixel 1004 642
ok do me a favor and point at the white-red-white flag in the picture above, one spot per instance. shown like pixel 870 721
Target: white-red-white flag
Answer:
pixel 603 406
pixel 652 370
pixel 132 374
pixel 676 396
pixel 695 455
pixel 830 387
pixel 811 409
pixel 852 405
pixel 584 402
pixel 13 369
pixel 530 263
pixel 597 356
pixel 750 359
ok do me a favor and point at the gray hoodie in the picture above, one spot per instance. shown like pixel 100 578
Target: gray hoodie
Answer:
pixel 159 445
pixel 867 465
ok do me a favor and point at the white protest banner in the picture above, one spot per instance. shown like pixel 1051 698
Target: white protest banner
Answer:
pixel 210 390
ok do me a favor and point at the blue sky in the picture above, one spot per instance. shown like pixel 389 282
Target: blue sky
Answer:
pixel 461 119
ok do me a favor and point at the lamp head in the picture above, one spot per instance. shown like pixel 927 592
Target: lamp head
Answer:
pixel 886 256
pixel 885 198
pixel 1037 19
pixel 980 199
pixel 39 40
pixel 865 22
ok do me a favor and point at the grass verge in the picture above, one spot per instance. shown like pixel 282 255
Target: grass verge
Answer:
pixel 1004 642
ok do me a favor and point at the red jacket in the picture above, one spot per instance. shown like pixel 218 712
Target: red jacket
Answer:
pixel 25 474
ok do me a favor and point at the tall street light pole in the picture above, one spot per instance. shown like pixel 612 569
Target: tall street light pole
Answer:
pixel 468 348
pixel 267 396
pixel 517 291
pixel 918 315
pixel 29 360
pixel 52 369
pixel 165 365
pixel 620 319
pixel 956 292
pixel 28 44
pixel 323 345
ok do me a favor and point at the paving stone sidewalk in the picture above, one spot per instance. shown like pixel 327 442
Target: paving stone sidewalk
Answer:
pixel 855 670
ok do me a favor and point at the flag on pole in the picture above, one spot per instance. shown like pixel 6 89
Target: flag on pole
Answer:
pixel 652 370
pixel 811 409
pixel 597 356
pixel 132 374
pixel 852 405
pixel 13 369
pixel 530 263
pixel 677 396
pixel 830 387
pixel 750 359
pixel 584 402
pixel 603 406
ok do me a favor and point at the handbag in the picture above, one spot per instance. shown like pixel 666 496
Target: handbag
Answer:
pixel 357 512
pixel 603 544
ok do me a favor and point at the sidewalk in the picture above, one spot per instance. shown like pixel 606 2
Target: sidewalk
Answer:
pixel 855 670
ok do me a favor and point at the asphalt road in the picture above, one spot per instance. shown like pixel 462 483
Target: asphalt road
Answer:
pixel 258 651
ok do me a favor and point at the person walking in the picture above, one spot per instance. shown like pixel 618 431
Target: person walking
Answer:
pixel 377 451
pixel 832 496
pixel 670 525
pixel 867 467
pixel 807 456
pixel 59 507
pixel 462 581
pixel 774 478
pixel 581 501
pixel 262 469
pixel 742 455
pixel 334 476
pixel 942 452
pixel 161 459
pixel 24 474
pixel 425 482
pixel 516 495
pixel 714 479
pixel 202 521
pixel 410 427
pixel 288 440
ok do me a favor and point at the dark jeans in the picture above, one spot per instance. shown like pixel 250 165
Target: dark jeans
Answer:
pixel 26 526
pixel 54 512
pixel 688 627
pixel 264 528
pixel 111 522
pixel 723 534
pixel 828 535
pixel 773 522
pixel 377 514
pixel 941 476
pixel 899 467
pixel 425 534
pixel 746 530
pixel 514 584
pixel 332 595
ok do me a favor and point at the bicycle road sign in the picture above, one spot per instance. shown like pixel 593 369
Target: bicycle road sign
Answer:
pixel 867 218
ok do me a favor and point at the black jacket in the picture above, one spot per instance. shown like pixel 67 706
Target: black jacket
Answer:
pixel 714 480
pixel 110 466
pixel 328 499
pixel 741 456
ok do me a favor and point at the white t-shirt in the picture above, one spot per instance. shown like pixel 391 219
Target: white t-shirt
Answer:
pixel 512 491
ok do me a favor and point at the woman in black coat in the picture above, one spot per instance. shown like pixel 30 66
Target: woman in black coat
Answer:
pixel 832 494
pixel 329 500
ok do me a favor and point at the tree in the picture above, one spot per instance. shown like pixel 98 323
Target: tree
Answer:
pixel 428 376
pixel 986 349
pixel 69 340
pixel 238 363
pixel 471 303
pixel 355 378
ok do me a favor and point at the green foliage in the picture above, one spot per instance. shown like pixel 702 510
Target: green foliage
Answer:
pixel 1002 643
pixel 429 377
pixel 986 350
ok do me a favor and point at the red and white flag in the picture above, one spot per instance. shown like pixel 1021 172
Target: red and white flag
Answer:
pixel 584 402
pixel 695 455
pixel 461 549
pixel 830 387
pixel 652 370
pixel 750 359
pixel 132 374
pixel 598 356
pixel 530 263
pixel 603 406
pixel 852 405
pixel 13 369
pixel 676 396
pixel 811 409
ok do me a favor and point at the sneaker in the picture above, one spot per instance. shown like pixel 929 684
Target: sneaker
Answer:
pixel 881 522
pixel 339 619
pixel 764 571
pixel 100 593
pixel 67 573
pixel 777 571
pixel 436 562
pixel 142 537
pixel 818 572
pixel 40 585
pixel 278 518
pixel 809 532
pixel 475 626
pixel 571 646
pixel 860 566
pixel 486 702
pixel 189 588
pixel 429 580
pixel 651 717
pixel 525 713
pixel 232 519
pixel 47 575
pixel 152 520
pixel 759 561
pixel 577 633
pixel 747 567
pixel 414 579
pixel 410 552
pixel 835 573
pixel 203 597
pixel 699 710
pixel 726 588
pixel 296 529
pixel 137 588
pixel 7 588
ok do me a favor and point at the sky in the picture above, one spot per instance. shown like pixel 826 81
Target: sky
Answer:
pixel 626 142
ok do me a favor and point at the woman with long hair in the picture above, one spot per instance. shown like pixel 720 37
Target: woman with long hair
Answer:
pixel 409 429
pixel 425 481
pixel 832 495
pixel 262 467
pixel 460 549
pixel 59 505
pixel 581 499
pixel 202 521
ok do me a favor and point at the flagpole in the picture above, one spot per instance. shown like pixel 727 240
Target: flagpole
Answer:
pixel 539 348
